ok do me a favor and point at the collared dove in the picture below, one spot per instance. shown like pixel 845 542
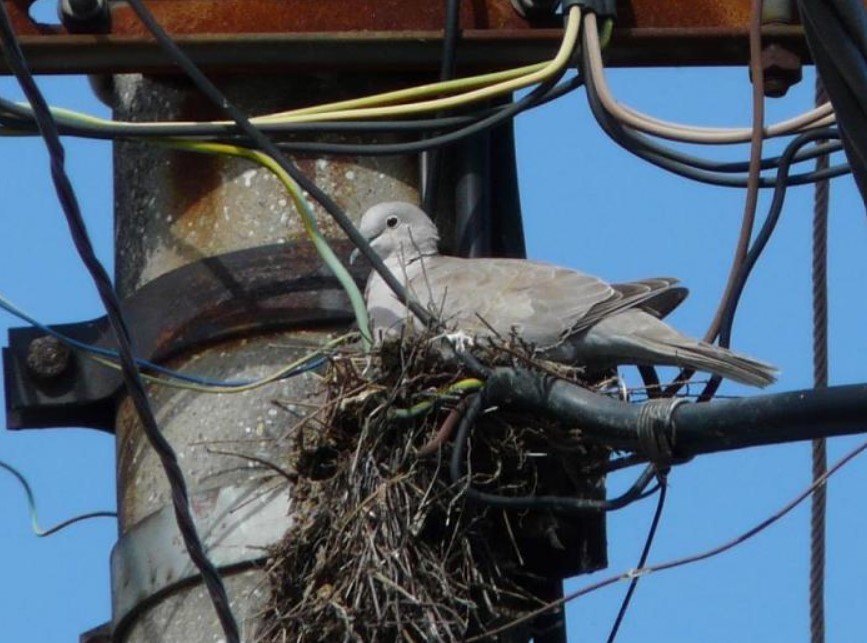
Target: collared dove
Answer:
pixel 565 315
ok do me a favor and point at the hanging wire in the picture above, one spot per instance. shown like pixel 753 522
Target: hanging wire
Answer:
pixel 679 562
pixel 642 561
pixel 34 516
pixel 820 380
pixel 758 246
pixel 760 242
pixel 135 386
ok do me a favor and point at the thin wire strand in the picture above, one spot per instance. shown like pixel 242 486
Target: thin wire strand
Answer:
pixel 102 281
pixel 169 377
pixel 642 561
pixel 820 380
pixel 308 220
pixel 34 516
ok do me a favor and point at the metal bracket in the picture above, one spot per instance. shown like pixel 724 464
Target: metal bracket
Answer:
pixel 266 288
pixel 237 525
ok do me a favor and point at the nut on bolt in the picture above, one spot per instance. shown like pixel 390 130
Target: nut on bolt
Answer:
pixel 781 68
pixel 48 357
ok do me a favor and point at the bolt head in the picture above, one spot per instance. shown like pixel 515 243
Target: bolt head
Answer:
pixel 781 68
pixel 48 357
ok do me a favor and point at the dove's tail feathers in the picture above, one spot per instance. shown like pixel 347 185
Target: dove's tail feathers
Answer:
pixel 725 363
pixel 637 337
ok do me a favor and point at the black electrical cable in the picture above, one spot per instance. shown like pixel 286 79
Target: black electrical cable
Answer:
pixel 695 168
pixel 565 504
pixel 102 281
pixel 642 561
pixel 761 241
pixel 431 159
pixel 451 34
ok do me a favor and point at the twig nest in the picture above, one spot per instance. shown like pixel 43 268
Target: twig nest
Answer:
pixel 389 548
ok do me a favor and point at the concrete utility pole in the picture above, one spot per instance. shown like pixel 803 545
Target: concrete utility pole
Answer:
pixel 173 209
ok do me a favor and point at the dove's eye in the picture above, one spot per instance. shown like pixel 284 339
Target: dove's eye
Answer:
pixel 391 222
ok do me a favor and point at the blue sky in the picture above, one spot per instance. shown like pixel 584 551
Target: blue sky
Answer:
pixel 588 205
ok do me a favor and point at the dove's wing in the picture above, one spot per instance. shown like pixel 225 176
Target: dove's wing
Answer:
pixel 538 301
pixel 657 296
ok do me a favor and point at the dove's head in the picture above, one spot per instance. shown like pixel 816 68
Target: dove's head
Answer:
pixel 398 229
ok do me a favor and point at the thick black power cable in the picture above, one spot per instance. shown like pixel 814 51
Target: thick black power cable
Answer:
pixel 836 32
pixel 102 281
pixel 642 561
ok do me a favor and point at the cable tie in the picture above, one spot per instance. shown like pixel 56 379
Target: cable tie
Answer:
pixel 636 573
pixel 602 8
pixel 655 419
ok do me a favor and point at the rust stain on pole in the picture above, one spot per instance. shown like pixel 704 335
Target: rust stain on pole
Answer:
pixel 684 14
pixel 306 16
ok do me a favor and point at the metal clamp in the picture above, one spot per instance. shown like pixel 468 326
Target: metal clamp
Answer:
pixel 655 430
pixel 279 286
pixel 237 526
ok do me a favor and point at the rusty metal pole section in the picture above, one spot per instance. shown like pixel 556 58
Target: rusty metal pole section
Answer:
pixel 174 209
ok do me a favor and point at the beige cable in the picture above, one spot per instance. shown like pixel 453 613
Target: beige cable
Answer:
pixel 815 118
